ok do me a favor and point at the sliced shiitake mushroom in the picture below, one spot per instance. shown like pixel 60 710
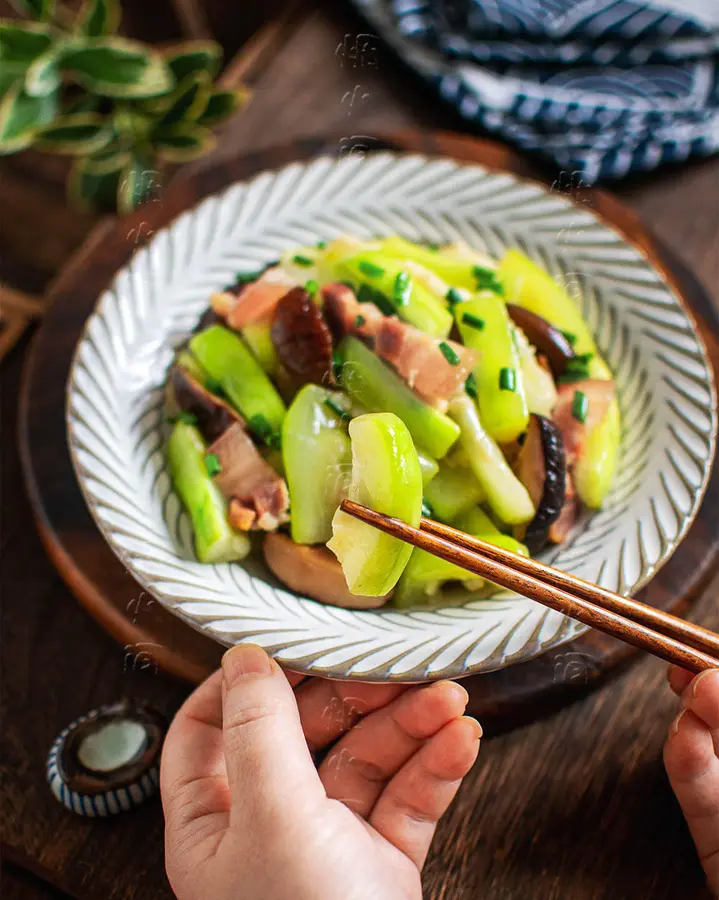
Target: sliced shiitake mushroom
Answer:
pixel 546 338
pixel 213 415
pixel 313 571
pixel 302 339
pixel 542 469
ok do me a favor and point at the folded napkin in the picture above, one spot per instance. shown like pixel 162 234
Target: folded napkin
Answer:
pixel 602 87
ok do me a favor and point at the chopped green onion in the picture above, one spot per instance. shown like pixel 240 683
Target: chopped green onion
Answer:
pixel 571 338
pixel 570 377
pixel 582 358
pixel 402 288
pixel 305 261
pixel 247 277
pixel 187 417
pixel 262 428
pixel 487 280
pixel 453 297
pixel 580 406
pixel 470 386
pixel 507 379
pixel 336 365
pixel 312 287
pixel 367 294
pixel 321 245
pixel 212 464
pixel 427 510
pixel 359 321
pixel 274 440
pixel 473 321
pixel 214 386
pixel 349 285
pixel 336 408
pixel 370 269
pixel 449 354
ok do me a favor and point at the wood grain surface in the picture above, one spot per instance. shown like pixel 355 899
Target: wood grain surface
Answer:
pixel 574 807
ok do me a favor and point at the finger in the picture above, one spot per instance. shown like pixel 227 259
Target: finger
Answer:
pixel 679 679
pixel 269 767
pixel 357 769
pixel 328 709
pixel 415 799
pixel 703 698
pixel 193 777
pixel 693 770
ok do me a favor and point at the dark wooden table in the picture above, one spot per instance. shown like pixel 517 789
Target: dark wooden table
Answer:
pixel 575 807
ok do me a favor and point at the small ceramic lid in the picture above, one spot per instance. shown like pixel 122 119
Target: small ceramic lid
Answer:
pixel 108 761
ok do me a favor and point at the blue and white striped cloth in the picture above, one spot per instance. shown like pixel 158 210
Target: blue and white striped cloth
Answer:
pixel 602 87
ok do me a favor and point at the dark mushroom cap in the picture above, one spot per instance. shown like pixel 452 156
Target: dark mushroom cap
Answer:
pixel 546 338
pixel 302 339
pixel 214 416
pixel 541 467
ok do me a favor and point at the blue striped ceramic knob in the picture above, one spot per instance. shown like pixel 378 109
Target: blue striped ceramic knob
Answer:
pixel 108 761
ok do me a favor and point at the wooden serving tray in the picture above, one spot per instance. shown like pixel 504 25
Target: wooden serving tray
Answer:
pixel 153 636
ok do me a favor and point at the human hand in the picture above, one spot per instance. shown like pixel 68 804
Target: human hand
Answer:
pixel 691 758
pixel 248 814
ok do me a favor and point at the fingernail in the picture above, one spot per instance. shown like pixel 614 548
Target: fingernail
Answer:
pixel 700 677
pixel 674 727
pixel 475 724
pixel 456 689
pixel 245 660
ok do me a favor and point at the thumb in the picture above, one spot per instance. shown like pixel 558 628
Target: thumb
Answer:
pixel 269 766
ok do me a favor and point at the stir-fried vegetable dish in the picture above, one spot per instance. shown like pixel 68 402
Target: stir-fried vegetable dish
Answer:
pixel 417 380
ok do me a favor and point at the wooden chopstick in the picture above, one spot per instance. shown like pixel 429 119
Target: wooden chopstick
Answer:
pixel 523 580
pixel 672 626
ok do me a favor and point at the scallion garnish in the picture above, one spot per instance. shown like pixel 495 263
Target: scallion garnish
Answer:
pixel 571 337
pixel 507 379
pixel 359 321
pixel 321 245
pixel 448 353
pixel 370 269
pixel 262 428
pixel 336 365
pixel 367 294
pixel 212 464
pixel 470 386
pixel 214 386
pixel 336 408
pixel 402 288
pixel 487 280
pixel 580 406
pixel 312 287
pixel 187 417
pixel 247 277
pixel 301 260
pixel 473 321
pixel 453 297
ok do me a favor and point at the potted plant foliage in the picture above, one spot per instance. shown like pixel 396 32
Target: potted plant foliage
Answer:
pixel 70 84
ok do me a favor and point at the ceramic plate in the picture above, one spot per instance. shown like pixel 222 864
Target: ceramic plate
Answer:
pixel 116 428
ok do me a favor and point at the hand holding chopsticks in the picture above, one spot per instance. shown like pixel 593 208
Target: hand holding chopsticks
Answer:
pixel 662 634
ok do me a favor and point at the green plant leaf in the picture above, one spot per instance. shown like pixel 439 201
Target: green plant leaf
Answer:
pixel 222 104
pixel 99 17
pixel 112 158
pixel 8 78
pixel 44 74
pixel 194 56
pixel 183 142
pixel 22 116
pixel 22 42
pixel 89 189
pixel 78 134
pixel 188 100
pixel 38 9
pixel 116 67
pixel 138 182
